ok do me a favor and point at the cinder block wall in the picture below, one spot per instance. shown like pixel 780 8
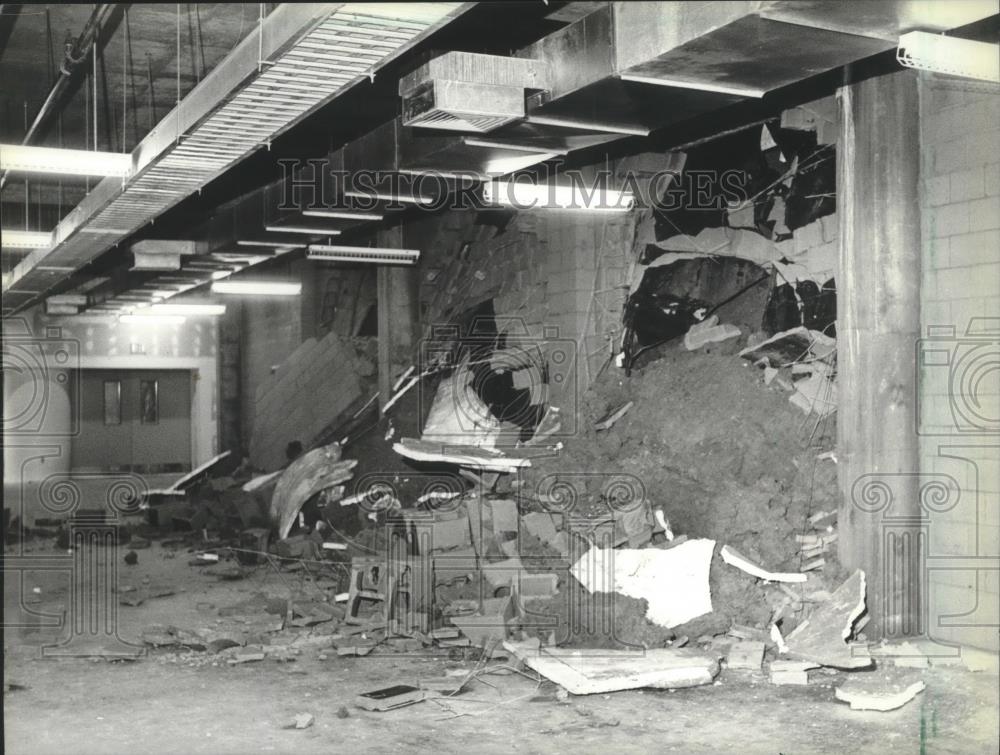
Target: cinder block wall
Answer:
pixel 959 393
pixel 308 390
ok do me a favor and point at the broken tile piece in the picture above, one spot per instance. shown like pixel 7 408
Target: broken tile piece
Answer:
pixel 734 558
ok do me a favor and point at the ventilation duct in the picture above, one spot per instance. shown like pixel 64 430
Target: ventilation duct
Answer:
pixel 464 91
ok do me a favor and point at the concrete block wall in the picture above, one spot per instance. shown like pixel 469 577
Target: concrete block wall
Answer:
pixel 309 389
pixel 960 325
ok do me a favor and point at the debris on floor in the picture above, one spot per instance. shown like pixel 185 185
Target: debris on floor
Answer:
pixel 882 690
pixel 823 636
pixel 588 672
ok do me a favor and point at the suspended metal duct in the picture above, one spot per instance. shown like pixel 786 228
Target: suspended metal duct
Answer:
pixel 464 91
pixel 299 58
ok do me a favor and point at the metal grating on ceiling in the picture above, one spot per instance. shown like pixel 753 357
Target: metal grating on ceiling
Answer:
pixel 342 45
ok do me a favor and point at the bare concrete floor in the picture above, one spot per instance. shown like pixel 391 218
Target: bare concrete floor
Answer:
pixel 182 702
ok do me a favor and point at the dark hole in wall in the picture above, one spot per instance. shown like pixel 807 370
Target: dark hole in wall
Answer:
pixel 369 324
pixel 493 373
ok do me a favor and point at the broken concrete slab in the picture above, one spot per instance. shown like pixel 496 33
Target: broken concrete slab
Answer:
pixel 782 672
pixel 882 690
pixel 674 581
pixel 734 558
pixel 823 636
pixel 594 671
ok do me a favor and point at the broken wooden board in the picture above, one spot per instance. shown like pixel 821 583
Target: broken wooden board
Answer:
pixel 595 671
pixel 823 636
pixel 734 558
pixel 606 422
pixel 882 690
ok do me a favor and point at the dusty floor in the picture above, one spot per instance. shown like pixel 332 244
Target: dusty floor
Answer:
pixel 172 701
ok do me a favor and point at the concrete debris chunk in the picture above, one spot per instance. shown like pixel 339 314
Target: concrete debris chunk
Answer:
pixel 823 636
pixel 882 690
pixel 303 721
pixel 595 671
pixel 746 654
pixel 674 581
pixel 709 331
pixel 790 672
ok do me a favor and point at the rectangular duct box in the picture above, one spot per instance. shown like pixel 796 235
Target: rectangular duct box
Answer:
pixel 462 91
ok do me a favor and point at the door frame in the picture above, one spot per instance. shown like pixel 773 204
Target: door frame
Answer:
pixel 204 422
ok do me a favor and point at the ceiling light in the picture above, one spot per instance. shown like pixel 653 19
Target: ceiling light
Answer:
pixel 949 55
pixel 333 253
pixel 301 229
pixel 192 310
pixel 390 197
pixel 704 86
pixel 504 165
pixel 25 239
pixel 66 162
pixel 528 196
pixel 136 319
pixel 275 244
pixel 257 288
pixel 343 214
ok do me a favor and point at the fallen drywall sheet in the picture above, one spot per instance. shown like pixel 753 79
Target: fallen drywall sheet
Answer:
pixel 734 558
pixel 674 581
pixel 594 671
pixel 463 456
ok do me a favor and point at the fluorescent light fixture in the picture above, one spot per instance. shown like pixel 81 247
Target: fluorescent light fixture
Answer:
pixel 342 214
pixel 504 165
pixel 189 310
pixel 950 55
pixel 65 162
pixel 704 86
pixel 575 123
pixel 387 197
pixel 362 254
pixel 25 239
pixel 136 319
pixel 549 196
pixel 257 288
pixel 274 244
pixel 301 229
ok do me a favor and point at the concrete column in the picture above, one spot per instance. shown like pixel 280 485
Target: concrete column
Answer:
pixel 879 321
pixel 398 314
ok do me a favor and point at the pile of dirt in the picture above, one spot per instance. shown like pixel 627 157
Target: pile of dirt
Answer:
pixel 723 455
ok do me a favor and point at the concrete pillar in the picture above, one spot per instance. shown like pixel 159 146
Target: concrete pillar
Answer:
pixel 398 314
pixel 880 520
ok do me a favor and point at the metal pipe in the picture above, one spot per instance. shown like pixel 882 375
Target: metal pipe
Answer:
pixel 73 58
